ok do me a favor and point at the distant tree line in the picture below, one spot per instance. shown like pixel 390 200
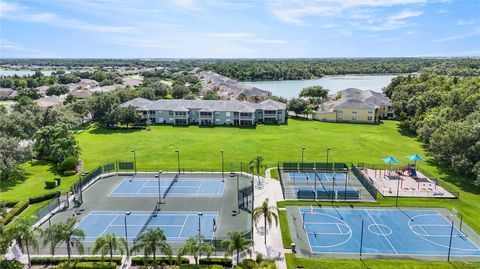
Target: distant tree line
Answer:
pixel 296 69
pixel 444 112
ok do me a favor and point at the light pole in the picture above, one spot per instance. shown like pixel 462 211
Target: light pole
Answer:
pixel 251 215
pixel 238 190
pixel 134 160
pixel 328 150
pixel 361 238
pixel 200 214
pixel 178 160
pixel 398 189
pixel 159 192
pixel 303 149
pixel 450 243
pixel 223 174
pixel 126 232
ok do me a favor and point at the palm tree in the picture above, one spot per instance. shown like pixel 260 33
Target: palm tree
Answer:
pixel 236 243
pixel 71 236
pixel 150 240
pixel 51 236
pixel 24 233
pixel 193 247
pixel 268 216
pixel 256 164
pixel 108 243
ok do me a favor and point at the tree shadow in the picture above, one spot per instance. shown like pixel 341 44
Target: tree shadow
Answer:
pixel 105 131
pixel 464 183
pixel 405 132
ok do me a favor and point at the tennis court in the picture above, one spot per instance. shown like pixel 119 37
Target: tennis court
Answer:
pixel 173 187
pixel 385 232
pixel 177 226
pixel 309 176
pixel 326 192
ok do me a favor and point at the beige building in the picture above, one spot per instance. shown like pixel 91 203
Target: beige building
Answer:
pixel 354 105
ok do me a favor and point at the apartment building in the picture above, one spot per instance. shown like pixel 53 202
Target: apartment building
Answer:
pixel 209 112
pixel 355 105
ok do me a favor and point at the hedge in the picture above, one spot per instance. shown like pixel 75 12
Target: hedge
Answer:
pixel 16 210
pixel 226 262
pixel 11 264
pixel 87 265
pixel 10 203
pixel 43 197
pixel 160 260
pixel 50 184
pixel 69 173
pixel 70 163
pixel 193 266
pixel 58 260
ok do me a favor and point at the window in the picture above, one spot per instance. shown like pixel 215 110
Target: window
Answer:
pixel 370 111
pixel 354 112
pixel 235 114
pixel 354 117
pixel 340 118
pixel 369 118
pixel 279 112
pixel 340 111
pixel 170 112
pixel 227 114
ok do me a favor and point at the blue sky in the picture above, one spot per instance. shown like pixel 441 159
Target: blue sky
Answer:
pixel 239 29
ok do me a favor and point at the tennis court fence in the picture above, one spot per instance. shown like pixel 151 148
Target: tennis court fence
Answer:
pixel 365 182
pixel 310 166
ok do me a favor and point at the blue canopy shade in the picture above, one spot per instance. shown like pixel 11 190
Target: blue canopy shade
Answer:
pixel 390 160
pixel 415 157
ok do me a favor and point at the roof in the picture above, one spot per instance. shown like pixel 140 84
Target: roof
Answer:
pixel 353 103
pixel 131 82
pixel 203 105
pixel 358 99
pixel 81 93
pixel 8 92
pixel 49 101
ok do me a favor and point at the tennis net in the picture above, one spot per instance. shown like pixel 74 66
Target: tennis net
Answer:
pixel 153 214
pixel 170 185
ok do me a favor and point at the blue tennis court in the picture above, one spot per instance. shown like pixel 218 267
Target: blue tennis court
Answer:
pixel 177 226
pixel 321 176
pixel 386 231
pixel 184 187
pixel 326 192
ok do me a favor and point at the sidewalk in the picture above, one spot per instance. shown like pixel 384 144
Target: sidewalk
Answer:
pixel 274 248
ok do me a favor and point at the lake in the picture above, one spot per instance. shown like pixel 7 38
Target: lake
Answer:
pixel 24 72
pixel 291 88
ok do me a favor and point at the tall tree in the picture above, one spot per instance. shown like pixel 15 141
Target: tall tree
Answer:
pixel 193 247
pixel 11 156
pixel 297 105
pixel 152 240
pixel 104 108
pixel 315 94
pixel 71 236
pixel 236 243
pixel 22 230
pixel 129 115
pixel 268 215
pixel 256 164
pixel 109 243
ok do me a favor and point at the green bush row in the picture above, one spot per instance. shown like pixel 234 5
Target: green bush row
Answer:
pixel 87 265
pixel 58 260
pixel 160 260
pixel 193 266
pixel 16 210
pixel 69 173
pixel 43 197
pixel 226 262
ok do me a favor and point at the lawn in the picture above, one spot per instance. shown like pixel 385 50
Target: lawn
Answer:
pixel 293 262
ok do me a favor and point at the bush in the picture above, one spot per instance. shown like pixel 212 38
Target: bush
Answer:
pixel 87 265
pixel 226 262
pixel 193 266
pixel 43 197
pixel 50 184
pixel 16 210
pixel 11 264
pixel 58 260
pixel 69 173
pixel 160 260
pixel 70 163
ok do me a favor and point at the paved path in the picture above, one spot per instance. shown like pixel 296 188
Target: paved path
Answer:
pixel 274 248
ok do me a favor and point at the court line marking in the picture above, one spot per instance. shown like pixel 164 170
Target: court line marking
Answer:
pixel 108 226
pixel 368 213
pixel 183 226
pixel 438 244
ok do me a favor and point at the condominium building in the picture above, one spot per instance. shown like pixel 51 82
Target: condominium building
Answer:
pixel 209 112
pixel 354 105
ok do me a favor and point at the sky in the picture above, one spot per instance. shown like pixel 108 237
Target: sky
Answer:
pixel 239 29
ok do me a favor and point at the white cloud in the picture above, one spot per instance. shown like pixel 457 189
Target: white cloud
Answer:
pixel 21 13
pixel 18 50
pixel 456 37
pixel 405 14
pixel 465 22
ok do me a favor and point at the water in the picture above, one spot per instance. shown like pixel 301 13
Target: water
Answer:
pixel 291 88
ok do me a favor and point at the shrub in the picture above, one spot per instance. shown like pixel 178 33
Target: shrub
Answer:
pixel 43 197
pixel 87 265
pixel 16 210
pixel 160 260
pixel 69 173
pixel 58 260
pixel 226 262
pixel 50 184
pixel 70 163
pixel 11 264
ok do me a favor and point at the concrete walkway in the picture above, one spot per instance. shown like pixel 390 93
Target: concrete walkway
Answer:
pixel 269 188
